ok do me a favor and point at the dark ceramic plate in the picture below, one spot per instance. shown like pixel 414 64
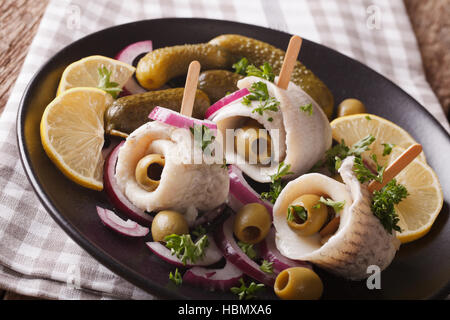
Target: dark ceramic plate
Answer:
pixel 420 269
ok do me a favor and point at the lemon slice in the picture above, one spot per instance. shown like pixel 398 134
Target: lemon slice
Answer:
pixel 72 134
pixel 85 73
pixel 353 128
pixel 419 210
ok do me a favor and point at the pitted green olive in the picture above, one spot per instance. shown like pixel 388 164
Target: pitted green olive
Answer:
pixel 252 223
pixel 168 222
pixel 298 283
pixel 148 171
pixel 253 142
pixel 350 106
pixel 306 215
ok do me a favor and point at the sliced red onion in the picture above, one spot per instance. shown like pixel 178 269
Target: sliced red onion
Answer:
pixel 176 119
pixel 128 55
pixel 241 192
pixel 214 279
pixel 212 254
pixel 127 228
pixel 230 249
pixel 117 198
pixel 210 113
pixel 270 253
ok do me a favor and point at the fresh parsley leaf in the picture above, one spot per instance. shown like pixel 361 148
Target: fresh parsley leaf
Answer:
pixel 270 104
pixel 266 266
pixel 307 108
pixel 199 231
pixel 270 119
pixel 258 92
pixel 176 277
pixel 387 148
pixel 336 205
pixel 241 66
pixel 247 293
pixel 105 83
pixel 383 202
pixel 264 71
pixel 203 136
pixel 368 118
pixel 299 211
pixel 276 186
pixel 362 145
pixel 364 174
pixel 184 248
pixel 248 249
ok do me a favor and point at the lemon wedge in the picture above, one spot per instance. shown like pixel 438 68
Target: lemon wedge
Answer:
pixel 85 73
pixel 419 210
pixel 72 134
pixel 353 128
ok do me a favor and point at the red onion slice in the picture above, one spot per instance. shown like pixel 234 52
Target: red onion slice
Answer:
pixel 176 119
pixel 117 198
pixel 241 192
pixel 270 253
pixel 127 228
pixel 210 113
pixel 212 254
pixel 214 279
pixel 128 55
pixel 230 249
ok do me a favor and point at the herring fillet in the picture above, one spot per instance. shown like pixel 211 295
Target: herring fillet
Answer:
pixel 361 239
pixel 184 186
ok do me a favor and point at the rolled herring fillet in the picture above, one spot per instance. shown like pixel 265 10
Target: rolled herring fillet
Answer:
pixel 299 138
pixel 360 240
pixel 185 186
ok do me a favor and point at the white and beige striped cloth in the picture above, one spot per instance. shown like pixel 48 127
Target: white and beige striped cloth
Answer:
pixel 36 257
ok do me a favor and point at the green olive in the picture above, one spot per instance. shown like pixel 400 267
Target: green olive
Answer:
pixel 350 106
pixel 252 143
pixel 316 215
pixel 168 222
pixel 148 171
pixel 252 223
pixel 298 283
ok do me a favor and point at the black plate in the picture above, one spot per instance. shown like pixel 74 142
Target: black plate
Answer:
pixel 420 270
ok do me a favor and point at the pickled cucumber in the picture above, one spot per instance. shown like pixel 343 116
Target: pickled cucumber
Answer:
pixel 130 112
pixel 161 65
pixel 258 52
pixel 217 83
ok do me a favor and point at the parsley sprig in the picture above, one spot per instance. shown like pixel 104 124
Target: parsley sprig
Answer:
pixel 336 205
pixel 307 108
pixel 266 267
pixel 244 68
pixel 259 92
pixel 203 136
pixel 248 249
pixel 105 83
pixel 247 293
pixel 185 249
pixel 296 212
pixel 277 185
pixel 176 277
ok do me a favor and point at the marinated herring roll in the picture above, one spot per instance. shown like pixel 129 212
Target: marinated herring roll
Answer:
pixel 171 179
pixel 299 137
pixel 360 240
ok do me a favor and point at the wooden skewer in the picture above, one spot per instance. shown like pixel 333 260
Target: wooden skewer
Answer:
pixel 190 89
pixel 398 165
pixel 289 61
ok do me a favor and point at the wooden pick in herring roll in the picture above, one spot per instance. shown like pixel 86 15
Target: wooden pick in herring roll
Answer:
pixel 394 169
pixel 190 88
pixel 289 61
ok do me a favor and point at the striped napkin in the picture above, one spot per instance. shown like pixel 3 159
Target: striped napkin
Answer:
pixel 36 257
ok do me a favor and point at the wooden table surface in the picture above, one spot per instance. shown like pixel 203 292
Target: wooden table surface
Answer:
pixel 19 20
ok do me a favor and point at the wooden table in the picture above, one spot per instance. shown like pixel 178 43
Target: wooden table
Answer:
pixel 19 20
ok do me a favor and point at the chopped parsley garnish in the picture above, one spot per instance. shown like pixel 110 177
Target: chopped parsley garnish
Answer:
pixel 105 83
pixel 383 202
pixel 308 108
pixel 247 293
pixel 199 231
pixel 270 104
pixel 203 136
pixel 248 249
pixel 259 92
pixel 241 66
pixel 364 174
pixel 387 148
pixel 176 277
pixel 266 266
pixel 298 212
pixel 368 118
pixel 185 249
pixel 336 205
pixel 276 186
